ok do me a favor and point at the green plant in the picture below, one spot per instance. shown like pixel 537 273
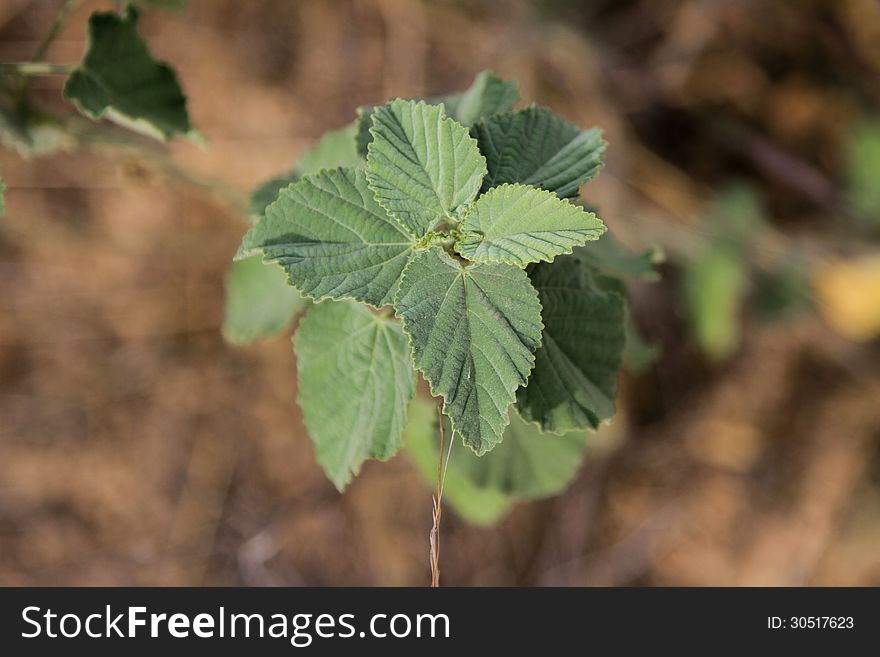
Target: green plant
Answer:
pixel 442 237
pixel 449 243
pixel 725 278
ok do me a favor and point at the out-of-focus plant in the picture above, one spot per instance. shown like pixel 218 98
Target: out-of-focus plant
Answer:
pixel 863 165
pixel 118 79
pixel 724 274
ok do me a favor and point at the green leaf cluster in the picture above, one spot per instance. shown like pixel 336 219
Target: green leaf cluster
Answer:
pixel 119 79
pixel 443 238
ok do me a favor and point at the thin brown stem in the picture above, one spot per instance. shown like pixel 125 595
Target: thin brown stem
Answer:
pixel 438 506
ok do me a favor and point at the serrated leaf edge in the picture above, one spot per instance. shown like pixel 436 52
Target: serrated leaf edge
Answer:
pixel 354 471
pixel 443 117
pixel 243 253
pixel 602 146
pixel 603 229
pixel 434 393
pixel 605 421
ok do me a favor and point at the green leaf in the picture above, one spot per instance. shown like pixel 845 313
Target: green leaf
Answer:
pixel 474 331
pixel 119 79
pixel 575 377
pixel 488 95
pixel 527 465
pixel 32 133
pixel 609 257
pixel 638 354
pixel 422 165
pixel 481 506
pixel 264 195
pixel 782 291
pixel 364 122
pixel 736 216
pixel 863 155
pixel 259 302
pixel 714 285
pixel 336 148
pixel 535 147
pixel 333 239
pixel 519 224
pixel 355 380
pixel 176 5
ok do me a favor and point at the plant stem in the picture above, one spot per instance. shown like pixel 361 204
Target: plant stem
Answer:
pixel 38 68
pixel 57 24
pixel 438 507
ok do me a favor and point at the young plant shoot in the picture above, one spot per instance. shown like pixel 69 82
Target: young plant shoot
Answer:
pixel 445 238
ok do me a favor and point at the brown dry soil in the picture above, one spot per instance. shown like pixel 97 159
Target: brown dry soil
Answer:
pixel 136 447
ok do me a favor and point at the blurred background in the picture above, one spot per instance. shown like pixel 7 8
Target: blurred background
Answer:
pixel 137 447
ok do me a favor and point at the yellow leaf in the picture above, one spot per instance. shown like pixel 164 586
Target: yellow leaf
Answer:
pixel 849 296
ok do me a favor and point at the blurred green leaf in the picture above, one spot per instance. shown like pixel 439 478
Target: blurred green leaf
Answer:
pixel 713 287
pixel 176 5
pixel 259 302
pixel 488 95
pixel 608 257
pixel 30 134
pixel 364 122
pixel 527 465
pixel 638 355
pixel 737 216
pixel 863 155
pixel 783 291
pixel 481 506
pixel 264 195
pixel 120 80
pixel 335 149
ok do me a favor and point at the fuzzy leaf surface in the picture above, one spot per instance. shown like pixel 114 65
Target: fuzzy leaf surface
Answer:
pixel 488 95
pixel 574 380
pixel 535 147
pixel 355 380
pixel 422 166
pixel 333 239
pixel 519 224
pixel 473 331
pixel 120 80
